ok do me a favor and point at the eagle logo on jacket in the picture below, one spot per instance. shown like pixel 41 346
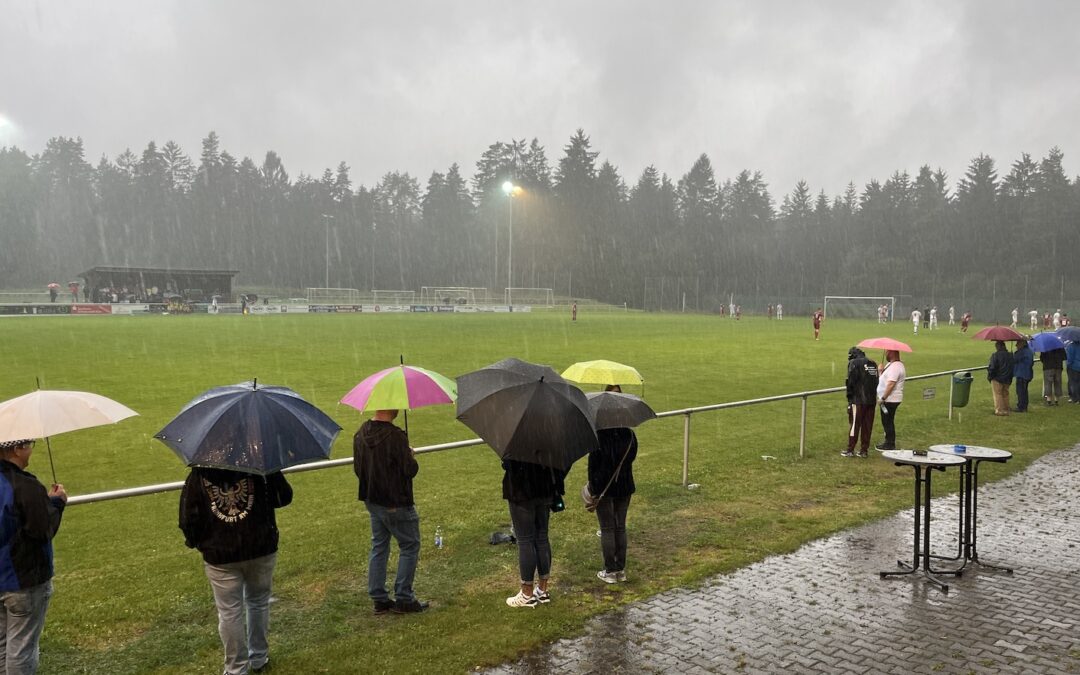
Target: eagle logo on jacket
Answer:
pixel 231 502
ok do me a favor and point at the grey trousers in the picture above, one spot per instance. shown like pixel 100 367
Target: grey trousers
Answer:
pixel 21 620
pixel 242 590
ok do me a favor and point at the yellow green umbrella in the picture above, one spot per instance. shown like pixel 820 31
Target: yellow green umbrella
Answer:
pixel 603 372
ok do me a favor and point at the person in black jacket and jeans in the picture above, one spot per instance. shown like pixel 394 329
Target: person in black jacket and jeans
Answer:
pixel 616 446
pixel 29 521
pixel 229 517
pixel 385 466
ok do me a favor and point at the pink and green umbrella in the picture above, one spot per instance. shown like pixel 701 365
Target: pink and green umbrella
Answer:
pixel 401 388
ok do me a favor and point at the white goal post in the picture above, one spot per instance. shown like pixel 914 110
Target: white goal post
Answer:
pixel 542 297
pixel 858 306
pixel 454 295
pixel 390 297
pixel 333 296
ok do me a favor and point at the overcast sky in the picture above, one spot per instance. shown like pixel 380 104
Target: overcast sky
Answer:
pixel 824 91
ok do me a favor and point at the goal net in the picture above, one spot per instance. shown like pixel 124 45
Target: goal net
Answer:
pixel 453 295
pixel 539 297
pixel 394 297
pixel 858 307
pixel 333 296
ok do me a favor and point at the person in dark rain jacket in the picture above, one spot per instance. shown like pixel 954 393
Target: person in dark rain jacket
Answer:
pixel 617 446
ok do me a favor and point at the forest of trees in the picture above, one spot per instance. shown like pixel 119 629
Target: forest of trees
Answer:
pixel 578 225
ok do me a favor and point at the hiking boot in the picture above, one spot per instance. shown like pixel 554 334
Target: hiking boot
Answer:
pixel 607 577
pixel 847 453
pixel 383 606
pixel 522 600
pixel 409 607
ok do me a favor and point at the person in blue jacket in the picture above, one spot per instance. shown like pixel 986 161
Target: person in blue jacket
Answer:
pixel 29 518
pixel 1023 365
pixel 1072 364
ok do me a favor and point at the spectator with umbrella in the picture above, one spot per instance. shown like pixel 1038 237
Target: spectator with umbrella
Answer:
pixel 237 439
pixel 385 466
pixel 539 424
pixel 1072 363
pixel 54 290
pixel 31 517
pixel 999 371
pixel 611 465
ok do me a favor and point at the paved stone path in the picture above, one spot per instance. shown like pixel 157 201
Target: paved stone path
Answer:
pixel 824 609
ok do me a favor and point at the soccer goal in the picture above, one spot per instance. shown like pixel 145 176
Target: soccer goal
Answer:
pixel 333 296
pixel 453 295
pixel 858 307
pixel 387 297
pixel 537 297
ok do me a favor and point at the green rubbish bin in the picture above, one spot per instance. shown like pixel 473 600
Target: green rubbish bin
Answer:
pixel 961 383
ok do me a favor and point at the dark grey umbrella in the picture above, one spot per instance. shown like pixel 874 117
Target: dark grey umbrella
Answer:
pixel 612 409
pixel 526 412
pixel 251 428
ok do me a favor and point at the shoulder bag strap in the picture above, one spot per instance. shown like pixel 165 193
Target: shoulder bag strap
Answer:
pixel 617 469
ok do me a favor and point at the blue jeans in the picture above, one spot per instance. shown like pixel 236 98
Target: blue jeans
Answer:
pixel 530 519
pixel 242 590
pixel 403 524
pixel 21 621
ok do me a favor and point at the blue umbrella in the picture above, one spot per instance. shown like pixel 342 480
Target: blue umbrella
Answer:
pixel 1070 333
pixel 1046 342
pixel 251 428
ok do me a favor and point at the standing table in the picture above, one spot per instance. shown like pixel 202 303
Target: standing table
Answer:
pixel 968 533
pixel 924 466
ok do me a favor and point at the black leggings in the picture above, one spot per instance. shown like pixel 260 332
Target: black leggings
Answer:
pixel 612 516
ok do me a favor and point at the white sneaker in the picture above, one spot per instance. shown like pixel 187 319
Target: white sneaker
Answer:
pixel 522 600
pixel 607 577
pixel 620 576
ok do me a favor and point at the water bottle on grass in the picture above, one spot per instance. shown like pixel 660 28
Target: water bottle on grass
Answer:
pixel 438 536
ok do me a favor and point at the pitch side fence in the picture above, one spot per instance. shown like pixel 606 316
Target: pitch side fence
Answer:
pixel 684 413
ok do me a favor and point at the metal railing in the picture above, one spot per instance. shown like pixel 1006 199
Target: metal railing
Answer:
pixel 686 413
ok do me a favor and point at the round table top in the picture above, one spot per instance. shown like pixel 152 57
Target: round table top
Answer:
pixel 973 452
pixel 931 459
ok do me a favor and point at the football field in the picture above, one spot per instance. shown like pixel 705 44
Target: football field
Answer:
pixel 130 598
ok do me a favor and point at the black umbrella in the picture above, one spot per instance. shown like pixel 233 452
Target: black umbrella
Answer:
pixel 527 412
pixel 612 409
pixel 249 427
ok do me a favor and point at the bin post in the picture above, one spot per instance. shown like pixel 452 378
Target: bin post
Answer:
pixel 952 385
pixel 686 450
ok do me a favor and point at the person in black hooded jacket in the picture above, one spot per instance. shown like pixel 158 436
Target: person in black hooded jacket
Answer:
pixel 861 385
pixel 229 517
pixel 531 490
pixel 611 466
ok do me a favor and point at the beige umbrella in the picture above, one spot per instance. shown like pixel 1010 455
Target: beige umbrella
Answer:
pixel 44 413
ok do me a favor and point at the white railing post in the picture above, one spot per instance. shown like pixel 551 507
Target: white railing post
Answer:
pixel 686 451
pixel 952 384
pixel 802 430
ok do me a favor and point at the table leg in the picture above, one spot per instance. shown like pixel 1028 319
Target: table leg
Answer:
pixel 921 524
pixel 972 552
pixel 926 536
pixel 961 528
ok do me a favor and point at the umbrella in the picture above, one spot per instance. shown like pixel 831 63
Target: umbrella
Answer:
pixel 612 410
pixel 1046 342
pixel 53 285
pixel 1003 333
pixel 888 344
pixel 249 427
pixel 528 413
pixel 603 372
pixel 44 413
pixel 1070 333
pixel 401 388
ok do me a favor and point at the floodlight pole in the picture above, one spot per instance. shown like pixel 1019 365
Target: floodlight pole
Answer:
pixel 326 222
pixel 509 188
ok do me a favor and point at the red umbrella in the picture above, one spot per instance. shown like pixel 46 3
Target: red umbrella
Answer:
pixel 53 285
pixel 888 344
pixel 1003 333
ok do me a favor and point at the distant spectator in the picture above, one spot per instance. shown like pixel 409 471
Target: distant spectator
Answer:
pixel 52 294
pixel 999 372
pixel 1023 363
pixel 1072 358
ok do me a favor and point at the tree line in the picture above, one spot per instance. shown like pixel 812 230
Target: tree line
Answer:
pixel 577 225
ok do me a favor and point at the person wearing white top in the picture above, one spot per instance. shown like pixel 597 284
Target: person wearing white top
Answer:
pixel 1034 314
pixel 890 394
pixel 933 318
pixel 779 312
pixel 952 316
pixel 1057 319
pixel 1015 317
pixel 916 317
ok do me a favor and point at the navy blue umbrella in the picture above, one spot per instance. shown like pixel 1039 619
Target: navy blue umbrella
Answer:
pixel 251 428
pixel 1070 333
pixel 1046 342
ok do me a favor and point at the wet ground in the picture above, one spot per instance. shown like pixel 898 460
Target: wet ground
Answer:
pixel 824 608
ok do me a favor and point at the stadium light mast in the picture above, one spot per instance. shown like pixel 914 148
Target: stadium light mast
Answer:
pixel 511 190
pixel 326 221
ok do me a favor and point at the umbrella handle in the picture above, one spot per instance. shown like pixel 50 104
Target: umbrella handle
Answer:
pixel 52 467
